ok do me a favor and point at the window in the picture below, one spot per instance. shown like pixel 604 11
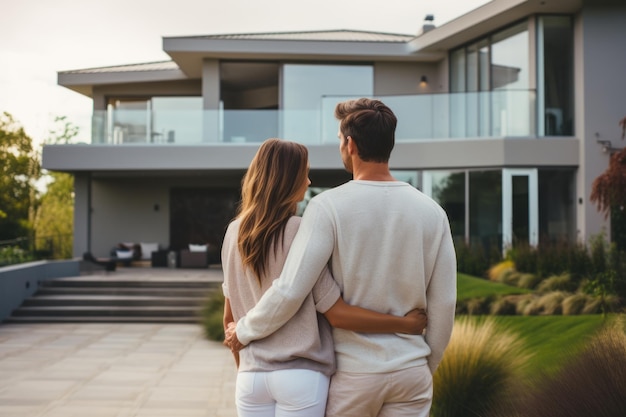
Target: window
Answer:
pixel 303 90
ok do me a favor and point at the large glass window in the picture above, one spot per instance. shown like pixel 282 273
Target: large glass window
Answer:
pixel 557 205
pixel 555 75
pixel 510 64
pixel 510 58
pixel 448 189
pixel 485 208
pixel 177 119
pixel 500 64
pixel 474 202
pixel 155 120
pixel 493 73
pixel 304 86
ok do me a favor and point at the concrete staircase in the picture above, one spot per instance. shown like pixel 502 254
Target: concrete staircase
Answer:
pixel 115 301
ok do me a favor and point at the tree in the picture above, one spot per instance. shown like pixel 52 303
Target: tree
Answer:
pixel 54 221
pixel 608 192
pixel 19 169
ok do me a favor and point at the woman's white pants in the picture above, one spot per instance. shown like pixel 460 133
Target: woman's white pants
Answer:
pixel 283 393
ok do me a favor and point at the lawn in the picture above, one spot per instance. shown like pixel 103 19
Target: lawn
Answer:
pixel 550 339
pixel 469 287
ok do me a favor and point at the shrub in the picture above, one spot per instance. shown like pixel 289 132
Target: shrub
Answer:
pixel 211 316
pixel 496 272
pixel 574 304
pixel 504 306
pixel 476 259
pixel 523 303
pixel 528 281
pixel 556 283
pixel 592 383
pixel 479 306
pixel 511 277
pixel 601 304
pixel 532 308
pixel 10 255
pixel 480 368
pixel 551 303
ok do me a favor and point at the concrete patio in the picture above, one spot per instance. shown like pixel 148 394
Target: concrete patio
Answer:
pixel 116 370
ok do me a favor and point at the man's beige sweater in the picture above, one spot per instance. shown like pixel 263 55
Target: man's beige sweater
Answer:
pixel 390 250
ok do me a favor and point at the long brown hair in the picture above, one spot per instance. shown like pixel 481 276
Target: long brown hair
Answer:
pixel 270 192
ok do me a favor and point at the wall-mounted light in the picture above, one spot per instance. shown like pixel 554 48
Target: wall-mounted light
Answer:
pixel 423 81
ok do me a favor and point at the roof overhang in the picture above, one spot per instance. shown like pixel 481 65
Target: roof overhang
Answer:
pixel 84 81
pixel 189 52
pixel 486 19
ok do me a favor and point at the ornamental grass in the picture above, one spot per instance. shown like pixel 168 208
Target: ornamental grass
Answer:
pixel 592 383
pixel 481 368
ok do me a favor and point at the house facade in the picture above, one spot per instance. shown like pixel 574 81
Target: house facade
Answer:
pixel 506 115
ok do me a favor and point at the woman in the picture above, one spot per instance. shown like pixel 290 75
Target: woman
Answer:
pixel 286 373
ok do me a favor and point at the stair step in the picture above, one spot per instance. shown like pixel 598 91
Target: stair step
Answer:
pixel 88 300
pixel 127 284
pixel 164 292
pixel 95 319
pixel 110 300
pixel 107 311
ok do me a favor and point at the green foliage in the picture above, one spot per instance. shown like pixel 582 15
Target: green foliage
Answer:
pixel 499 366
pixel 561 282
pixel 54 220
pixel 528 281
pixel 19 169
pixel 480 369
pixel 471 287
pixel 553 339
pixel 618 226
pixel 476 259
pixel 10 255
pixel 599 270
pixel 574 304
pixel 592 383
pixel 211 316
pixel 551 259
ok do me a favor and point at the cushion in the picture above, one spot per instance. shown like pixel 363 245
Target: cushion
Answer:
pixel 197 248
pixel 147 249
pixel 124 254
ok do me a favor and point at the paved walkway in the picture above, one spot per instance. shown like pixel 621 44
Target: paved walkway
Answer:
pixel 115 370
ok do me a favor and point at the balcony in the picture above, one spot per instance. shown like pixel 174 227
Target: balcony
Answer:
pixel 480 115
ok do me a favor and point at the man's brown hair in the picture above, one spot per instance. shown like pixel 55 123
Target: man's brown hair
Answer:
pixel 372 126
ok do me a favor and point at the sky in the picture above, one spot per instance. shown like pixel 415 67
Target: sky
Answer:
pixel 39 38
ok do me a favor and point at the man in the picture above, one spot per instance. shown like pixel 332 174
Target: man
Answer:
pixel 390 250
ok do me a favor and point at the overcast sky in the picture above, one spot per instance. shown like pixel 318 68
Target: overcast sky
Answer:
pixel 38 38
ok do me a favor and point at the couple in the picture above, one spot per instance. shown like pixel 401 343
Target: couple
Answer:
pixel 377 243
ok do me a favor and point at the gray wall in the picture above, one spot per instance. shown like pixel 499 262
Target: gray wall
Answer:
pixel 600 88
pixel 398 78
pixel 18 282
pixel 125 209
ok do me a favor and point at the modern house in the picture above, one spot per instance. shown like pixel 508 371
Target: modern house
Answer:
pixel 506 116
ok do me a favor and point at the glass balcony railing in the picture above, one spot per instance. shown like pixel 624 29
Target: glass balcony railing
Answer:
pixel 491 114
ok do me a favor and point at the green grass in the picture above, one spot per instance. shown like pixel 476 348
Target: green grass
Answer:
pixel 551 339
pixel 470 287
